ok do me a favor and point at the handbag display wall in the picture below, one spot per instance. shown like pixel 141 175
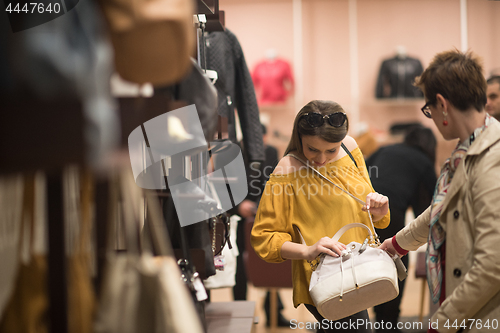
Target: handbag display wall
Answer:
pixel 27 310
pixel 142 293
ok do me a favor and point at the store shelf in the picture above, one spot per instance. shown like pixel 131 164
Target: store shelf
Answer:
pixel 230 317
pixel 207 7
pixel 40 135
pixel 216 22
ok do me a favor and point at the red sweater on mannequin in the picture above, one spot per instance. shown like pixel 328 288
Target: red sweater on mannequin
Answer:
pixel 273 81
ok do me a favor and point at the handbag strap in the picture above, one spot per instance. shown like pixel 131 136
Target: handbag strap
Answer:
pixel 130 209
pixel 28 212
pixel 327 179
pixel 345 191
pixel 158 230
pixel 349 153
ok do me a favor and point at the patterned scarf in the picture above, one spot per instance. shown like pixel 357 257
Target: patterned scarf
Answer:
pixel 437 235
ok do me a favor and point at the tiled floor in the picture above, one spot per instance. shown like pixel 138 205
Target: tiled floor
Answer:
pixel 410 304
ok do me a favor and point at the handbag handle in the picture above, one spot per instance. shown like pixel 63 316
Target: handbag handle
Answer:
pixel 342 230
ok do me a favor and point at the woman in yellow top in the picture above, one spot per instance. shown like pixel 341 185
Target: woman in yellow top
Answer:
pixel 295 198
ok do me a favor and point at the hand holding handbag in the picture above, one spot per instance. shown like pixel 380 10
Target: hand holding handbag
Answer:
pixel 362 277
pixel 400 267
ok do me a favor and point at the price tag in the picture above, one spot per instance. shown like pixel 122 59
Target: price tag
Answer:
pixel 219 262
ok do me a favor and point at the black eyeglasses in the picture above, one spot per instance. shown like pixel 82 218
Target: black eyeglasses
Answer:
pixel 315 119
pixel 426 110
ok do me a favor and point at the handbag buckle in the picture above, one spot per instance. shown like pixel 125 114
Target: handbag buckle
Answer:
pixel 363 246
pixel 315 262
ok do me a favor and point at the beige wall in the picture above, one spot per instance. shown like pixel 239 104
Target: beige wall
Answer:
pixel 424 27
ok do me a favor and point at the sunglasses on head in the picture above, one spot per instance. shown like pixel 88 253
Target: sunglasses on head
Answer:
pixel 315 119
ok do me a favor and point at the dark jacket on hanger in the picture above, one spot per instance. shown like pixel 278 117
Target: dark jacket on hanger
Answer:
pixel 235 90
pixel 396 77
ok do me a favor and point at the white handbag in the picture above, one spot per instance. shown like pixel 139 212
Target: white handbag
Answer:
pixel 362 277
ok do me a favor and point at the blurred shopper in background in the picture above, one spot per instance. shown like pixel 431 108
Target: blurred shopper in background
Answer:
pixel 493 97
pixel 405 173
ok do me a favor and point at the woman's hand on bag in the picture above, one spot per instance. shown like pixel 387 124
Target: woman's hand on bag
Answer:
pixel 388 246
pixel 324 245
pixel 378 205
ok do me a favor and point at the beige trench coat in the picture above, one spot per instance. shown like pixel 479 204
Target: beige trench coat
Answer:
pixel 471 219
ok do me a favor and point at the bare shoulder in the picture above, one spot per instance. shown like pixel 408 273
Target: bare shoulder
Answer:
pixel 350 143
pixel 287 165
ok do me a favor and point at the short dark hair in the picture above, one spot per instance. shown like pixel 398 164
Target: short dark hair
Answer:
pixel 493 79
pixel 458 77
pixel 423 139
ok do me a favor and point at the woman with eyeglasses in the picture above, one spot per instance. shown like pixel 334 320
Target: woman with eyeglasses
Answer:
pixel 298 202
pixel 461 227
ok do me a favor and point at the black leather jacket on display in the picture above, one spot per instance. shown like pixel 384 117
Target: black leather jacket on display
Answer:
pixel 396 77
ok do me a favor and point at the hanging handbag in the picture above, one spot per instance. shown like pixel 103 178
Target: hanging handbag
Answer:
pixel 27 310
pixel 362 277
pixel 78 193
pixel 11 196
pixel 142 293
pixel 152 39
pixel 225 277
pixel 196 88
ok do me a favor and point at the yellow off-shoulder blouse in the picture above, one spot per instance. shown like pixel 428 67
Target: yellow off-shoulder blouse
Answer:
pixel 302 200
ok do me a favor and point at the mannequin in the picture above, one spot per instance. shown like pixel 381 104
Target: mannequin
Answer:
pixel 271 54
pixel 272 78
pixel 401 52
pixel 397 74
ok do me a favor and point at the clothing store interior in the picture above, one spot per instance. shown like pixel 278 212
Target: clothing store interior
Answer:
pixel 117 210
